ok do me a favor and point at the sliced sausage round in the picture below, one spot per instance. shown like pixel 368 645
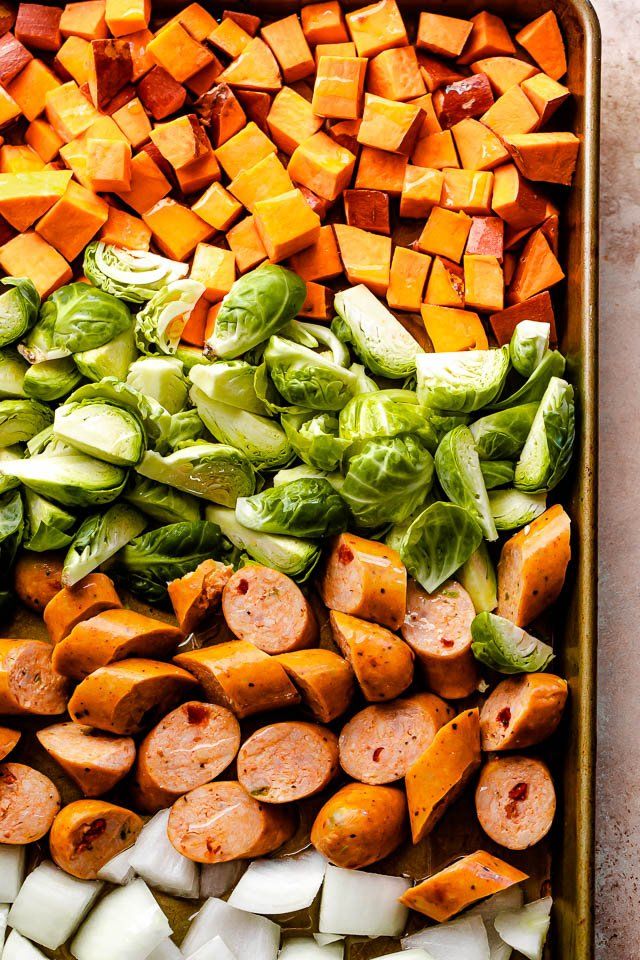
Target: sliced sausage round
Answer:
pixel 381 661
pixel 37 577
pixel 268 609
pixel 87 834
pixel 324 679
pixel 90 596
pixel 379 744
pixel 288 761
pixel 515 801
pixel 94 760
pixel 28 682
pixel 522 711
pixel 28 803
pixel 8 740
pixel 360 824
pixel 197 596
pixel 190 746
pixel 220 821
pixel 437 627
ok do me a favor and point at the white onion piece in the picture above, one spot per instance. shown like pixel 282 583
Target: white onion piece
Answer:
pixel 157 861
pixel 12 857
pixel 416 953
pixel 217 878
pixel 280 886
pixel 166 950
pixel 362 904
pixel 127 924
pixel 324 938
pixel 118 869
pixel 306 948
pixel 466 938
pixel 526 929
pixel 51 904
pixel 215 949
pixel 246 934
pixel 4 913
pixel 509 899
pixel 18 948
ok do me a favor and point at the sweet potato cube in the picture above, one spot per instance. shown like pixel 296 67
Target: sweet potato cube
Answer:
pixel 339 87
pixel 127 16
pixel 444 36
pixel 543 42
pixel 13 58
pixel 160 94
pixel 134 122
pixel 286 224
pixel 176 230
pixel 318 204
pixel 112 70
pixel 257 104
pixel 74 60
pixel 504 72
pixel 376 28
pixel 515 201
pixel 537 308
pixel 123 230
pixel 445 234
pixel 537 270
pixel 407 278
pixel 28 255
pixel 268 178
pixel 291 120
pixel 142 61
pixel 367 209
pixel 551 157
pixel 323 23
pixel 546 95
pixel 430 123
pixel 84 19
pixel 199 174
pixel 469 97
pixel 380 170
pixel 203 81
pixel 194 330
pixel 246 244
pixel 248 21
pixel 221 111
pixel 217 207
pixel 38 26
pixel 24 197
pixel 366 257
pixel 290 48
pixel 215 268
pixel 69 112
pixel 109 164
pixel 395 74
pixel 513 112
pixel 451 330
pixel 346 49
pixel 345 132
pixel 318 304
pixel 196 20
pixel 389 125
pixel 322 165
pixel 229 37
pixel 73 221
pixel 255 69
pixel 478 147
pixel 486 237
pixel 483 283
pixel 148 184
pixel 421 190
pixel 436 73
pixel 175 50
pixel 467 190
pixel 244 150
pixel 446 284
pixel 19 158
pixel 30 89
pixel 437 151
pixel 181 141
pixel 320 260
pixel 43 139
pixel 489 38
pixel 509 264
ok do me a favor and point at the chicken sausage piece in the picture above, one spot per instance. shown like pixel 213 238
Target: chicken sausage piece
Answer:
pixel 382 662
pixel 269 610
pixel 111 636
pixel 28 803
pixel 220 821
pixel 366 579
pixel 8 740
pixel 87 834
pixel 288 761
pixel 197 596
pixel 125 697
pixel 324 680
pixel 240 677
pixel 437 627
pixel 469 879
pixel 71 605
pixel 532 567
pixel 28 682
pixel 515 801
pixel 379 744
pixel 37 577
pixel 360 825
pixel 190 746
pixel 95 761
pixel 522 711
pixel 441 773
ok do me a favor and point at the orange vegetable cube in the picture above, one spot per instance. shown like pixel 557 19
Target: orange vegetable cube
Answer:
pixel 243 150
pixel 545 94
pixel 483 283
pixel 75 58
pixel 196 20
pixel 176 230
pixel 199 174
pixel 346 49
pixel 84 19
pixel 407 278
pixel 538 308
pixel 322 165
pixel 245 242
pixel 537 270
pixel 339 87
pixel 178 53
pixel 127 16
pixel 181 141
pixel 123 230
pixel 318 304
pixel 19 159
pixel 513 112
pixel 9 109
pixel 551 157
pixel 217 207
pixel 73 221
pixel 445 234
pixel 436 73
pixel 255 69
pixel 291 120
pixel 290 48
pixel 215 268
pixel 489 38
pixel 543 41
pixel 389 125
pixel 446 284
pixel 478 147
pixel 487 237
pixel 24 197
pixel 323 23
pixel 43 139
pixel 467 190
pixel 194 330
pixel 230 38
pixel 377 27
pixel 210 322
pixel 515 201
pixel 204 80
pixel 133 121
pixel 69 112
pixel 321 260
pixel 37 25
pixel 109 164
pixel 504 72
pixel 286 224
pixel 142 61
pixel 395 74
pixel 268 178
pixel 452 329
pixel 29 90
pixel 430 123
pixel 437 150
pixel 444 36
pixel 421 190
pixel 366 257
pixel 28 255
pixel 380 170
pixel 367 209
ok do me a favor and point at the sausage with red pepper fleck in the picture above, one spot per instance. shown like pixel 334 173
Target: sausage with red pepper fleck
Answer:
pixel 360 824
pixel 522 711
pixel 515 801
pixel 324 680
pixel 87 834
pixel 381 661
pixel 28 682
pixel 28 803
pixel 288 761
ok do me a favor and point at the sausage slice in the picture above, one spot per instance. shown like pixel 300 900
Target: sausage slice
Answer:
pixel 240 677
pixel 360 825
pixel 190 746
pixel 515 801
pixel 28 803
pixel 437 627
pixel 125 697
pixel 441 773
pixel 366 579
pixel 37 577
pixel 87 834
pixel 288 761
pixel 220 822
pixel 522 711
pixel 95 761
pixel 379 744
pixel 28 682
pixel 197 596
pixel 382 662
pixel 268 609
pixel 91 595
pixel 110 636
pixel 8 740
pixel 324 680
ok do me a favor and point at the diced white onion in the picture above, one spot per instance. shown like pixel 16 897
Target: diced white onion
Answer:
pixel 306 948
pixel 509 899
pixel 12 857
pixel 526 929
pixel 118 869
pixel 166 950
pixel 246 934
pixel 465 937
pixel 217 878
pixel 157 861
pixel 416 953
pixel 280 886
pixel 215 949
pixel 127 924
pixel 4 913
pixel 324 938
pixel 18 948
pixel 51 904
pixel 362 904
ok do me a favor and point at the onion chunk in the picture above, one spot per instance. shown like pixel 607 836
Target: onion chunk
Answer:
pixel 306 948
pixel 509 899
pixel 127 924
pixel 362 904
pixel 157 861
pixel 12 857
pixel 51 905
pixel 280 886
pixel 526 929
pixel 465 937
pixel 215 949
pixel 245 934
pixel 18 947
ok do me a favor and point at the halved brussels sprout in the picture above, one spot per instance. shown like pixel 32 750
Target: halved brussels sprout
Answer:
pixel 315 439
pixel 309 379
pixel 161 502
pixel 20 420
pixel 504 647
pixel 80 317
pixel 183 429
pixel 551 365
pixel 231 382
pixel 8 455
pixel 513 509
pixel 317 337
pixel 529 343
pixel 501 436
pixel 11 530
pixel 497 473
pixel 304 508
pixel 546 455
pixel 133 275
pixel 461 381
pixel 161 378
pixel 69 478
pixel 159 325
pixel 99 537
pixel 153 417
pixel 212 471
pixel 38 345
pixel 100 430
pixel 112 359
pixel 460 476
pixel 47 526
pixel 378 338
pixel 386 413
pixel 478 577
pixel 191 356
pixel 441 422
pixel 13 369
pixel 51 379
pixel 19 306
pixel 301 472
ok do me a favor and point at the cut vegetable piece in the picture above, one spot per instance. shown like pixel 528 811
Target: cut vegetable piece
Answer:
pixel 504 647
pixel 244 933
pixel 526 929
pixel 461 381
pixel 377 27
pixel 18 948
pixel 12 869
pixel 362 904
pixel 218 878
pixel 543 41
pixel 118 870
pixel 466 938
pixel 322 165
pixel 157 861
pixel 367 262
pixel 379 340
pixel 280 886
pixel 51 904
pixel 127 922
pixel 255 69
pixel 24 197
pixel 311 948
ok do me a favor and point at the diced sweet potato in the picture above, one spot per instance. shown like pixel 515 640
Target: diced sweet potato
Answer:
pixel 123 230
pixel 244 150
pixel 29 90
pixel 395 75
pixel 446 284
pixel 377 27
pixel 467 190
pixel 290 48
pixel 489 38
pixel 203 81
pixel 112 70
pixel 38 26
pixel 230 38
pixel 515 201
pixel 215 268
pixel 389 125
pixel 436 150
pixel 181 141
pixel 451 329
pixel 421 190
pixel 366 257
pixel 380 170
pixel 504 72
pixel 199 174
pixel 256 104
pixel 109 164
pixel 546 95
pixel 210 322
pixel 469 97
pixel 41 136
pixel 345 132
pixel 175 50
pixel 320 260
pixel 291 120
pixel 148 184
pixel 28 255
pixel 69 112
pixel 445 234
pixel 436 73
pixel 323 23
pixel 286 224
pixel 430 122
pixel 267 178
pixel 218 207
pixel 248 21
pixel 322 165
pixel 318 204
pixel 133 121
pixel 127 16
pixel 513 112
pixel 551 157
pixel 339 87
pixel 13 58
pixel 407 278
pixel 444 36
pixel 486 237
pixel 84 18
pixel 73 60
pixel 73 221
pixel 483 283
pixel 220 110
pixel 318 304
pixel 478 147
pixel 245 242
pixel 543 41
pixel 538 308
pixel 551 230
pixel 255 69
pixel 176 230
pixel 24 197
pixel 537 270
pixel 161 95
pixel 367 209
pixel 19 158
pixel 142 61
pixel 194 330
pixel 346 49
pixel 196 20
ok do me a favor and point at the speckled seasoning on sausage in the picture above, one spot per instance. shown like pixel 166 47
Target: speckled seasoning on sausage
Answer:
pixel 515 801
pixel 28 682
pixel 360 825
pixel 37 578
pixel 87 834
pixel 71 605
pixel 94 760
pixel 196 597
pixel 28 803
pixel 522 711
pixel 324 680
pixel 288 761
pixel 381 661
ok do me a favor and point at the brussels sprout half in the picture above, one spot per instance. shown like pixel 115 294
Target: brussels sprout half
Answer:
pixel 69 478
pixel 133 275
pixel 213 471
pixel 504 647
pixel 308 508
pixel 161 378
pixel 460 476
pixel 100 430
pixel 546 455
pixel 99 537
pixel 461 382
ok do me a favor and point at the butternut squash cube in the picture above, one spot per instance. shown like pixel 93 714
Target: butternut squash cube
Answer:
pixel 69 112
pixel 407 278
pixel 28 255
pixel 380 170
pixel 73 221
pixel 483 283
pixel 290 48
pixel 109 164
pixel 321 260
pixel 75 58
pixel 395 74
pixel 515 200
pixel 268 178
pixel 291 120
pixel 513 112
pixel 467 190
pixel 323 23
pixel 444 36
pixel 446 284
pixel 429 118
pixel 445 234
pixel 347 49
pixel 322 166
pixel 538 269
pixel 181 141
pixel 9 109
pixel 377 27
pixel 255 69
pixel 133 121
pixel 504 72
pixel 19 158
pixel 286 224
pixel 551 157
pixel 199 173
pixel 478 147
pixel 229 37
pixel 30 89
pixel 545 94
pixel 542 39
pixel 366 257
pixel 196 20
pixel 123 230
pixel 245 242
pixel 451 329
pixel 215 268
pixel 127 16
pixel 176 229
pixel 217 207
pixel 193 333
pixel 84 19
pixel 178 53
pixel 489 38
pixel 244 149
pixel 436 150
pixel 24 197
pixel 339 87
pixel 421 191
pixel 389 125
pixel 318 304
pixel 43 139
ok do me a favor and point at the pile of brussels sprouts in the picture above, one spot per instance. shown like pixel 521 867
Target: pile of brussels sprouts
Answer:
pixel 143 456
